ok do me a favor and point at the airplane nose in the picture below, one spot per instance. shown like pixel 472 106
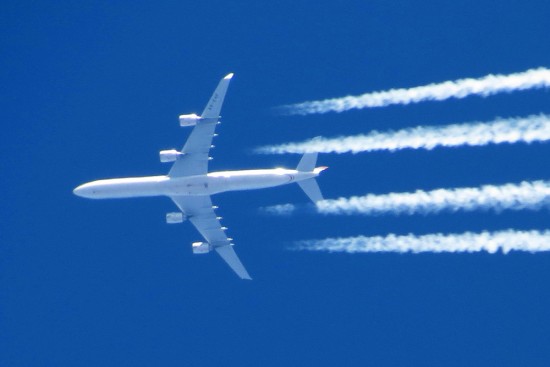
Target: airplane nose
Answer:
pixel 88 190
pixel 78 191
pixel 84 191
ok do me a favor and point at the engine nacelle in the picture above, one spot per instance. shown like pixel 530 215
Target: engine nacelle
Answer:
pixel 189 120
pixel 176 217
pixel 201 247
pixel 169 155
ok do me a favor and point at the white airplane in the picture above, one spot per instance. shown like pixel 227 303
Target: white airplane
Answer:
pixel 190 185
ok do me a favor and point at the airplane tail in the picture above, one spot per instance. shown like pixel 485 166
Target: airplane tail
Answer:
pixel 307 163
pixel 310 186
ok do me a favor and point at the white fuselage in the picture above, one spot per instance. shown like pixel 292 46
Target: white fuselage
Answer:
pixel 211 183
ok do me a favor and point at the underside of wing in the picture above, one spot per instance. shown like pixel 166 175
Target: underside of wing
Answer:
pixel 228 254
pixel 194 157
pixel 214 106
pixel 201 214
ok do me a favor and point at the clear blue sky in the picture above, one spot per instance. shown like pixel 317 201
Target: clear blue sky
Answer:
pixel 92 90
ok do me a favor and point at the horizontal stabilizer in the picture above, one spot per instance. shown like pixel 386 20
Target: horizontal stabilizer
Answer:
pixel 311 188
pixel 307 163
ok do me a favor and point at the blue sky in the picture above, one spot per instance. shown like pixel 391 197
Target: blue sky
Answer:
pixel 92 90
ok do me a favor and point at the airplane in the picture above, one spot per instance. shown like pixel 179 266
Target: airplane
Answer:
pixel 190 185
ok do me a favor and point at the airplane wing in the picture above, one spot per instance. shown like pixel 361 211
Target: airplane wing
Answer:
pixel 200 212
pixel 194 160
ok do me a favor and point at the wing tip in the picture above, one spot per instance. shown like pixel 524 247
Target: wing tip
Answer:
pixel 243 274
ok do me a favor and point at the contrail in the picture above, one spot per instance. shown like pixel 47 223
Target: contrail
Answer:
pixel 534 128
pixel 484 86
pixel 525 195
pixel 506 241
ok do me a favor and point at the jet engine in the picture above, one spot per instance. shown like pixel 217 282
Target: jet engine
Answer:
pixel 189 120
pixel 201 247
pixel 169 155
pixel 176 217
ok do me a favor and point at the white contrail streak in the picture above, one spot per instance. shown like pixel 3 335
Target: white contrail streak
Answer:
pixel 283 209
pixel 526 195
pixel 484 86
pixel 506 241
pixel 534 128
